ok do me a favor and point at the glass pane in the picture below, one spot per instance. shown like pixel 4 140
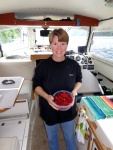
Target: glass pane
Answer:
pixel 13 40
pixel 77 37
pixel 102 44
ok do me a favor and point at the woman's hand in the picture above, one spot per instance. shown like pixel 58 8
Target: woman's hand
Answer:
pixel 73 94
pixel 39 90
pixel 50 99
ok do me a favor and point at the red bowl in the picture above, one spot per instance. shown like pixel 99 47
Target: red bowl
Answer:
pixel 63 100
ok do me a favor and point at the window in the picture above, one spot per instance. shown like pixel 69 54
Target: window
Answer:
pixel 102 44
pixel 77 37
pixel 13 40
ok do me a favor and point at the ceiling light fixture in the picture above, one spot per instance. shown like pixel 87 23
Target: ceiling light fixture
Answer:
pixel 108 3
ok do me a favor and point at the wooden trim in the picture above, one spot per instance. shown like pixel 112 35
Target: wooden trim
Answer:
pixel 20 101
pixel 10 19
pixel 3 110
pixel 96 143
pixel 91 126
pixel 32 95
pixel 85 21
pixel 39 56
pixel 90 138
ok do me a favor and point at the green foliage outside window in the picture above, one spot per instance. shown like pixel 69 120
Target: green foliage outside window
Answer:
pixel 7 36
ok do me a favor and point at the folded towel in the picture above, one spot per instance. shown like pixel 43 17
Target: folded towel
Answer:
pixel 103 106
pixel 94 109
pixel 107 101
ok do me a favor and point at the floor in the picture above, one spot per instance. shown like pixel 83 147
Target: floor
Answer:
pixel 37 135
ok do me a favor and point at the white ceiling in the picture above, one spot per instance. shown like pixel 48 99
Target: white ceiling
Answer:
pixel 40 9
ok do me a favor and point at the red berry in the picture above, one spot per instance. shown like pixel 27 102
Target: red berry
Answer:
pixel 63 99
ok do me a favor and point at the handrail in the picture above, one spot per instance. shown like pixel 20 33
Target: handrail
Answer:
pixel 102 146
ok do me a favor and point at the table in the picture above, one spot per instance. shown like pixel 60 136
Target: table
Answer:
pixel 9 92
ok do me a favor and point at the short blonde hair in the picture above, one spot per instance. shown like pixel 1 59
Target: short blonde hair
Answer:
pixel 62 35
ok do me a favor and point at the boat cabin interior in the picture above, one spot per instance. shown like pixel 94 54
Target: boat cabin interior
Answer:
pixel 24 42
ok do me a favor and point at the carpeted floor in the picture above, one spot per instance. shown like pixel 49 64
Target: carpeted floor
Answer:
pixel 39 137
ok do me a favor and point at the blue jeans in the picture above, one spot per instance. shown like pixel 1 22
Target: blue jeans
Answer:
pixel 69 136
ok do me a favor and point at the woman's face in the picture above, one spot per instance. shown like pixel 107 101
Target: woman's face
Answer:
pixel 58 48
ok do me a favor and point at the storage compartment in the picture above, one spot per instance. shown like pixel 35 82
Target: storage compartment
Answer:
pixel 11 143
pixel 15 128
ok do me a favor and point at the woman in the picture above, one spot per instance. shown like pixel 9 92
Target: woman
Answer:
pixel 58 72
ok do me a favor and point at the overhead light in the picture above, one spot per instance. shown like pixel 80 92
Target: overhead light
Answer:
pixel 108 3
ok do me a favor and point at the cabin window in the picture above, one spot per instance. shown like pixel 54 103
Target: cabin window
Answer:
pixel 77 37
pixel 13 40
pixel 102 44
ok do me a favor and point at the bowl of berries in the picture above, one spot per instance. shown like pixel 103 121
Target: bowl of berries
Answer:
pixel 63 100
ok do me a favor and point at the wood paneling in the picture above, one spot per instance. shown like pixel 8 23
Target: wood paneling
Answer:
pixel 10 19
pixel 39 57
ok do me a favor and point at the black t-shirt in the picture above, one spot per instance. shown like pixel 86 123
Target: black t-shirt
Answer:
pixel 53 76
